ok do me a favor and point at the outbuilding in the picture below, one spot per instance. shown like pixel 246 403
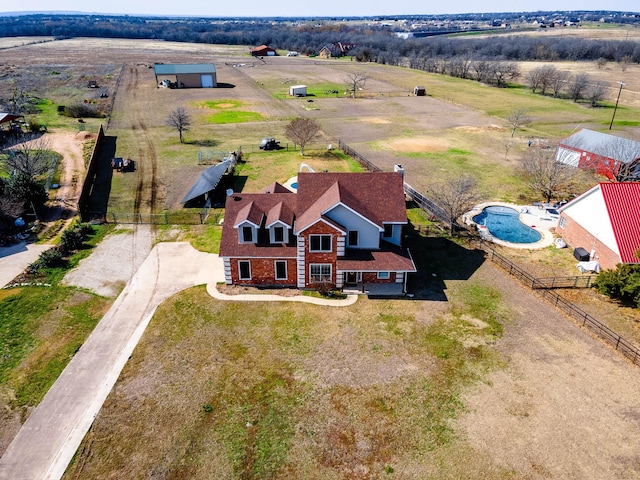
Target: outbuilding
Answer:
pixel 615 157
pixel 186 75
pixel 298 90
pixel 419 91
pixel 263 51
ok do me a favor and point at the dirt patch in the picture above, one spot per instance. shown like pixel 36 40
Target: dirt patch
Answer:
pixel 483 128
pixel 225 105
pixel 419 144
pixel 346 359
pixel 376 120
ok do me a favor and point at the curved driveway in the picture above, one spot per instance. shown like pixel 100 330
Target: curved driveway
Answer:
pixel 47 441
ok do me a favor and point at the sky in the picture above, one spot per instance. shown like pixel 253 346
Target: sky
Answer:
pixel 307 8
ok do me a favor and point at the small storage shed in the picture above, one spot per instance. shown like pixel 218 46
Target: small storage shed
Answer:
pixel 187 75
pixel 298 90
pixel 419 91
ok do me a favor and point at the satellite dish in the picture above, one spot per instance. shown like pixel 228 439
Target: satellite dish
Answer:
pixel 229 192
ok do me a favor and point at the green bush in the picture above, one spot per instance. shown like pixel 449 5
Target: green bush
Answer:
pixel 71 240
pixel 621 284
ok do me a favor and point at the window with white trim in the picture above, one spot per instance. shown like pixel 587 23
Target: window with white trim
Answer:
pixel 244 269
pixel 384 275
pixel 281 270
pixel 563 222
pixel 278 234
pixel 319 272
pixel 247 234
pixel 319 243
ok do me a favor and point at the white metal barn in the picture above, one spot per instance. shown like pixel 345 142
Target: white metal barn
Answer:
pixel 298 90
pixel 198 75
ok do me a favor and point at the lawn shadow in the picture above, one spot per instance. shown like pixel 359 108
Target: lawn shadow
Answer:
pixel 437 260
pixel 203 143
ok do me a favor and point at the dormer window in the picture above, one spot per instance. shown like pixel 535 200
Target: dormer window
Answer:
pixel 247 234
pixel 278 234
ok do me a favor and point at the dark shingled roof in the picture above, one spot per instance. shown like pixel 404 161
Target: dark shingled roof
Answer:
pixel 207 181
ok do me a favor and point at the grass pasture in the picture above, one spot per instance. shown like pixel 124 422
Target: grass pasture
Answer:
pixel 285 391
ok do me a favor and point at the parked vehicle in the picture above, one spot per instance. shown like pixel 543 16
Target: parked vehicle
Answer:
pixel 270 143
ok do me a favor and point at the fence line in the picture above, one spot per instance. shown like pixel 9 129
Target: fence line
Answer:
pixel 565 282
pixel 619 344
pixel 541 285
pixel 166 218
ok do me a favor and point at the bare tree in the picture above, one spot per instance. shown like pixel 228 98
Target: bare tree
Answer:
pixel 456 196
pixel 533 79
pixel 517 120
pixel 559 81
pixel 31 157
pixel 355 81
pixel 625 159
pixel 10 209
pixel 544 175
pixel 578 85
pixel 301 131
pixel 507 143
pixel 596 91
pixel 179 120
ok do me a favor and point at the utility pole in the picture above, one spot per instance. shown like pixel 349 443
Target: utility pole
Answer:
pixel 622 84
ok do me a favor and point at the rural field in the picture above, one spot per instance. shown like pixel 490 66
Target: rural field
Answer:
pixel 475 378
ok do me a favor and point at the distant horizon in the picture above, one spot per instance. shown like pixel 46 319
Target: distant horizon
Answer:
pixel 327 9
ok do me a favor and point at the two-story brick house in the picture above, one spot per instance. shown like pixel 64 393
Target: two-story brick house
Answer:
pixel 344 229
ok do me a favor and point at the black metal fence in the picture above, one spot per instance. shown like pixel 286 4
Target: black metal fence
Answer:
pixel 578 281
pixel 167 218
pixel 586 320
pixel 544 286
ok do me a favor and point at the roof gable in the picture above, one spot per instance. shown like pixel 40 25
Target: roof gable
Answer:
pixel 360 192
pixel 622 200
pixel 249 213
pixel 280 212
pixel 603 144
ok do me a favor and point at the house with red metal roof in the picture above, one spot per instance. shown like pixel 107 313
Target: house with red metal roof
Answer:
pixel 341 229
pixel 605 221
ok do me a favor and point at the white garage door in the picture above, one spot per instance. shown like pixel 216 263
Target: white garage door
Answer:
pixel 568 157
pixel 206 81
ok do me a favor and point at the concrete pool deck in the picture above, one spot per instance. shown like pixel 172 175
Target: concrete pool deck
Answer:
pixel 530 215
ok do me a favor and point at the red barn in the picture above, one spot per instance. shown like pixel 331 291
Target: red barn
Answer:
pixel 613 157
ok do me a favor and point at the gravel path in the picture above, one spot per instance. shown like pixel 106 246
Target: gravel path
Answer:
pixel 114 261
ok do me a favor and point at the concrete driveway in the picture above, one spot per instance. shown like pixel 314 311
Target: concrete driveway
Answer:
pixel 47 441
pixel 14 259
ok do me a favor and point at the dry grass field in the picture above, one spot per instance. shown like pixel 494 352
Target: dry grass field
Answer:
pixel 430 388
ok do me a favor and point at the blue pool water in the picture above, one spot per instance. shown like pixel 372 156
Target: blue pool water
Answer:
pixel 294 185
pixel 504 223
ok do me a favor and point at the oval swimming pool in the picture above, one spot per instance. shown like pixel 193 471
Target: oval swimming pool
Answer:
pixel 504 224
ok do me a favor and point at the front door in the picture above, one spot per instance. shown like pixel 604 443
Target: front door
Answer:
pixel 353 278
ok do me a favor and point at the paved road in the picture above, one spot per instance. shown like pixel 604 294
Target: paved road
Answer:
pixel 44 446
pixel 14 259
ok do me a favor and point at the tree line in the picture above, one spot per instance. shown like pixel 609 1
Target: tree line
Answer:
pixel 374 42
